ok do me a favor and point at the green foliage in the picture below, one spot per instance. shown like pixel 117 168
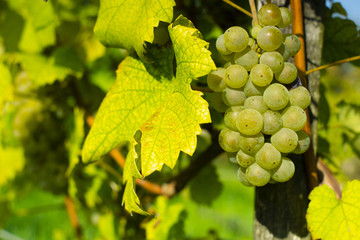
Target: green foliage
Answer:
pixel 330 218
pixel 123 23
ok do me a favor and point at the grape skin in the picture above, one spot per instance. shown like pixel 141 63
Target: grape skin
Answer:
pixel 272 122
pixel 244 159
pixel 252 90
pixel 236 76
pixel 276 96
pixel 242 177
pixel 233 97
pixel 285 171
pixel 250 122
pixel 261 75
pixel 286 17
pixel 231 115
pixel 236 39
pixel 268 157
pixel 293 43
pixel 294 117
pixel 303 142
pixel 257 176
pixel 215 80
pixel 220 45
pixel 269 15
pixel 300 96
pixel 287 74
pixel 257 103
pixel 251 144
pixel 229 140
pixel 269 38
pixel 274 60
pixel 247 58
pixel 285 140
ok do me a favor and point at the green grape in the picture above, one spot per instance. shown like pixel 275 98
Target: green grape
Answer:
pixel 236 76
pixel 284 51
pixel 215 80
pixel 269 38
pixel 216 101
pixel 272 59
pixel 257 103
pixel 252 44
pixel 232 157
pixel 300 96
pixel 276 96
pixel 252 90
pixel 229 58
pixel 293 43
pixel 285 171
pixel 244 159
pixel 272 122
pixel 286 18
pixel 247 58
pixel 255 30
pixel 288 74
pixel 236 39
pixel 251 144
pixel 229 140
pixel 242 177
pixel 233 97
pixel 250 122
pixel 261 75
pixel 231 116
pixel 257 176
pixel 268 157
pixel 285 140
pixel 220 46
pixel 227 64
pixel 303 142
pixel 294 117
pixel 269 15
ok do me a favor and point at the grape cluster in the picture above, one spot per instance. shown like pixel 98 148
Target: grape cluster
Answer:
pixel 263 119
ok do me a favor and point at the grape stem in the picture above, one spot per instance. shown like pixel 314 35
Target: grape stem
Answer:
pixel 300 63
pixel 238 7
pixel 350 59
pixel 329 178
pixel 254 12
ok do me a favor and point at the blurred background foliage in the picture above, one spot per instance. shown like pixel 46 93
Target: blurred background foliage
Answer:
pixel 54 73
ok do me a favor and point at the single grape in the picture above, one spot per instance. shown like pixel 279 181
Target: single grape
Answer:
pixel 268 157
pixel 276 96
pixel 215 80
pixel 269 38
pixel 257 103
pixel 247 58
pixel 272 122
pixel 244 159
pixel 242 177
pixel 255 30
pixel 251 144
pixel 236 76
pixel 303 142
pixel 257 176
pixel 285 171
pixel 284 51
pixel 274 60
pixel 229 140
pixel 285 140
pixel 287 74
pixel 216 101
pixel 286 17
pixel 252 90
pixel 231 116
pixel 294 117
pixel 269 15
pixel 236 39
pixel 250 122
pixel 300 96
pixel 293 42
pixel 261 75
pixel 233 97
pixel 220 46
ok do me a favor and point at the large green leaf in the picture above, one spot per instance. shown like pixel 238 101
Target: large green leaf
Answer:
pixel 329 218
pixel 148 97
pixel 128 23
pixel 11 161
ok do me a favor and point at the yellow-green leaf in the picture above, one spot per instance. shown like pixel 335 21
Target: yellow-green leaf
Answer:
pixel 128 23
pixel 329 218
pixel 148 97
pixel 11 161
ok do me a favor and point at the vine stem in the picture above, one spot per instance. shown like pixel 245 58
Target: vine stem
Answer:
pixel 350 59
pixel 238 7
pixel 300 63
pixel 71 211
pixel 254 12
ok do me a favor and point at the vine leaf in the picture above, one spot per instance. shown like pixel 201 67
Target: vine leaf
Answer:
pixel 330 218
pixel 128 23
pixel 146 96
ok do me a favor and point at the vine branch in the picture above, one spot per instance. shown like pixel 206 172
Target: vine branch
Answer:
pixel 238 7
pixel 350 59
pixel 254 12
pixel 300 63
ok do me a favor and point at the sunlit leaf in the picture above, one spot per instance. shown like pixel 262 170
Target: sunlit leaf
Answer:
pixel 329 218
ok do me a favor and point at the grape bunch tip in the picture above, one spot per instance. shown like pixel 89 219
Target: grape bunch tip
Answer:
pixel 263 118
